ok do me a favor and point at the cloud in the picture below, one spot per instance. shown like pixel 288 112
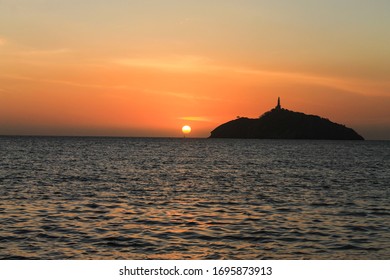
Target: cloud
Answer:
pixel 184 95
pixel 200 64
pixel 170 63
pixel 195 64
pixel 196 119
pixel 45 52
pixel 52 81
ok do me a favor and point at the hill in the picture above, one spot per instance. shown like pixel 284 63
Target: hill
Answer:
pixel 285 124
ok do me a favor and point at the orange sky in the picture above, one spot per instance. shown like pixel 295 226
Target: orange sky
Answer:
pixel 146 68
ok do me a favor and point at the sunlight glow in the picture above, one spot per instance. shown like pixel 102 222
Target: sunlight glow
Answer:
pixel 186 129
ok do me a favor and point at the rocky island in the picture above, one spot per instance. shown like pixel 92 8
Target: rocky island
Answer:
pixel 280 123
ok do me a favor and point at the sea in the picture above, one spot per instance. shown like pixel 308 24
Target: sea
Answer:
pixel 172 198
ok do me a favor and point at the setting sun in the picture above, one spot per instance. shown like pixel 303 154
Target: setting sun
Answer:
pixel 186 129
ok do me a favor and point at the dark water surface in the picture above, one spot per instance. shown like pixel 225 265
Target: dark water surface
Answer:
pixel 140 198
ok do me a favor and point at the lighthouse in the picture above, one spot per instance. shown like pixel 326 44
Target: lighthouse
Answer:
pixel 278 107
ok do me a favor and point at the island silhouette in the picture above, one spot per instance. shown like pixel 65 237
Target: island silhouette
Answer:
pixel 280 123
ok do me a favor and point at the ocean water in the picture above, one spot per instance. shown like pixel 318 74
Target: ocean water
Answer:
pixel 146 198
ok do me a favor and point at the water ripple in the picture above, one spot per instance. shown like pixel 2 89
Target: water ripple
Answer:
pixel 120 198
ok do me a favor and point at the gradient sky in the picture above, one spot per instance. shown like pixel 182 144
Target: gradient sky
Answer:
pixel 146 68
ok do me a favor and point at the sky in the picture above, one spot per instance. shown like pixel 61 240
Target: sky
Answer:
pixel 146 68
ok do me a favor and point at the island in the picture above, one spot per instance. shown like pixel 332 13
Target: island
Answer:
pixel 280 123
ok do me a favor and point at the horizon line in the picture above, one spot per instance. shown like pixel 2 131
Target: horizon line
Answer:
pixel 163 137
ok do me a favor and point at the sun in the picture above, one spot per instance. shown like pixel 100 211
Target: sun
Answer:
pixel 186 129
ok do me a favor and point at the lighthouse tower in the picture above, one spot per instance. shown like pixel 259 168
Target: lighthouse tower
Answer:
pixel 278 107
